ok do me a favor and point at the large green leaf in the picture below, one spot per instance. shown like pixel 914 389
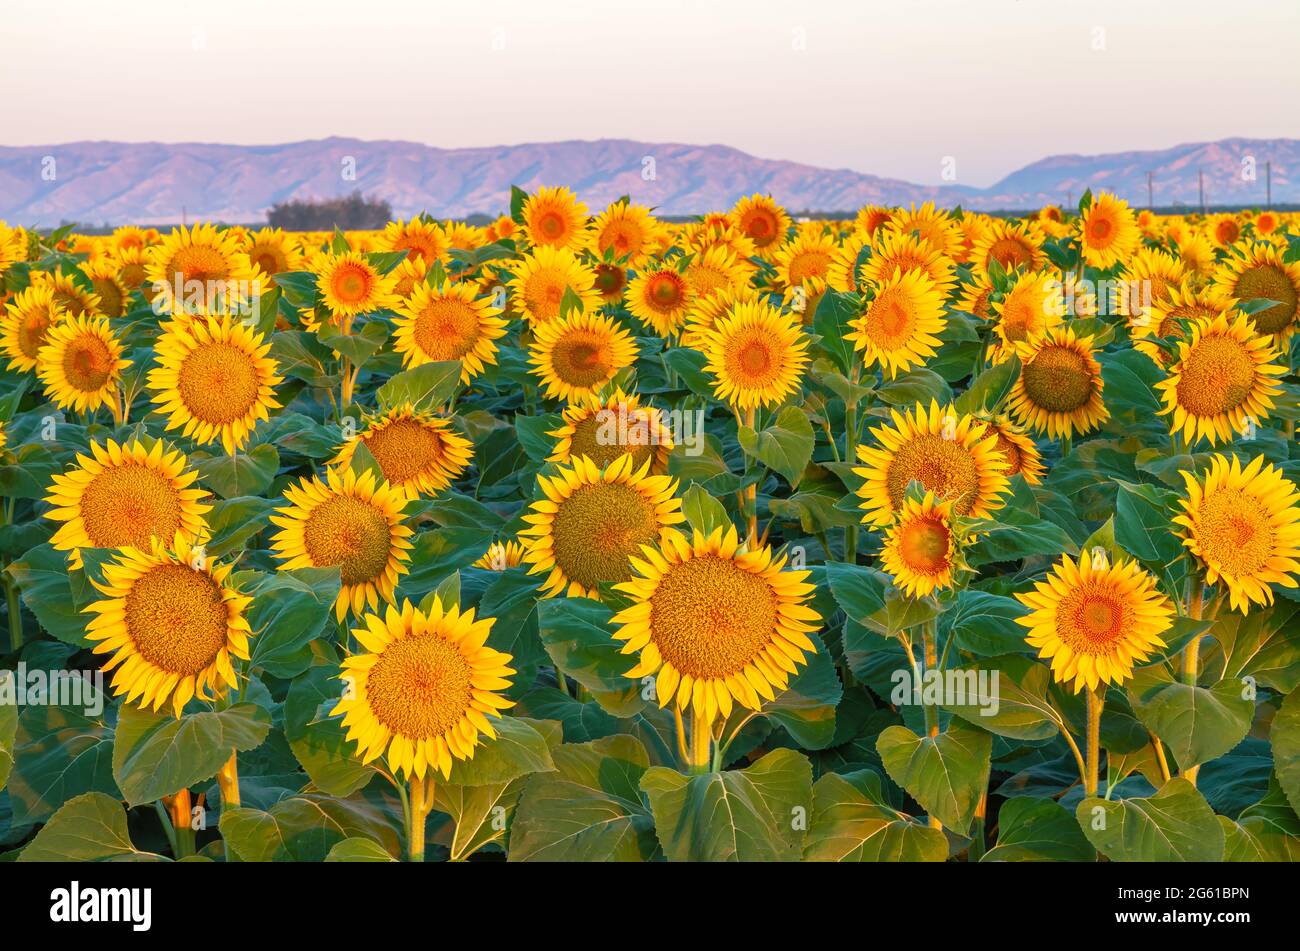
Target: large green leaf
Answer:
pixel 1013 704
pixel 42 576
pixel 426 386
pixel 8 731
pixel 520 747
pixel 1174 825
pixel 985 623
pixel 289 609
pixel 60 752
pixel 306 828
pixel 87 828
pixel 318 741
pixel 156 754
pixel 1142 522
pixel 807 708
pixel 751 815
pixel 786 446
pixel 851 822
pixel 1198 724
pixel 1033 829
pixel 244 473
pixel 1285 738
pixel 576 634
pixel 946 774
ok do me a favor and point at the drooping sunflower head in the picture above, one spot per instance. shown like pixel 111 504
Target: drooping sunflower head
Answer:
pixel 1196 252
pixel 554 218
pixel 1108 231
pixel 575 357
pixel 202 261
pixel 422 688
pixel 1059 388
pixel 273 252
pixel 349 521
pixel 591 521
pixel 171 622
pixel 716 625
pixel 761 219
pixel 448 323
pixel 952 455
pixel 501 555
pixel 28 317
pixel 418 452
pixel 1225 376
pixel 603 429
pixel 1260 272
pixel 921 550
pixel 126 495
pixel 1095 620
pixel 661 297
pixel 1018 449
pixel 1242 524
pixel 81 363
pixel 899 327
pixel 629 232
pixel 1033 304
pixel 421 238
pixel 214 379
pixel 542 278
pixel 349 285
pixel 1012 244
pixel 757 355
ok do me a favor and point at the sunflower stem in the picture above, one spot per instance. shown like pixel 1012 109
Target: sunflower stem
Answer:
pixel 751 490
pixel 15 615
pixel 1094 740
pixel 701 737
pixel 178 810
pixel 228 781
pixel 421 802
pixel 1192 652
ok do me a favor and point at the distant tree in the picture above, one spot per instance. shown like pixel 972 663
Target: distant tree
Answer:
pixel 353 213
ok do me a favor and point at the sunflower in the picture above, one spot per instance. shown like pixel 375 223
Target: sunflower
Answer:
pixel 761 220
pixel 1032 306
pixel 350 285
pixel 81 364
pixel 113 294
pixel 1223 377
pixel 716 624
pixel 1180 304
pixel 541 279
pixel 955 457
pixel 13 246
pixel 578 355
pixel 604 429
pixel 214 379
pixel 610 282
pixel 348 521
pixel 422 240
pixel 123 496
pixel 131 266
pixel 660 298
pixel 1266 222
pixel 1224 230
pixel 894 251
pixel 706 311
pixel 1259 271
pixel 933 226
pixel 1147 279
pixel 501 555
pixel 920 552
pixel 1059 388
pixel 1012 244
pixel 976 299
pixel 448 323
pixel 628 232
pixel 409 274
pixel 716 270
pixel 131 238
pixel 28 318
pixel 842 273
pixel 69 293
pixel 201 259
pixel 419 453
pixel 1197 254
pixel 421 690
pixel 871 218
pixel 713 233
pixel 591 521
pixel 756 355
pixel 273 252
pixel 463 236
pixel 804 262
pixel 1108 232
pixel 1095 622
pixel 172 624
pixel 900 325
pixel 1018 449
pixel 554 218
pixel 1243 527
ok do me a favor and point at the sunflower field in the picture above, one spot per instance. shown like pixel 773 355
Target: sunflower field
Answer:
pixel 923 536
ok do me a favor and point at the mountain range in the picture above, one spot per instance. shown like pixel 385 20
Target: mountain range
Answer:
pixel 111 183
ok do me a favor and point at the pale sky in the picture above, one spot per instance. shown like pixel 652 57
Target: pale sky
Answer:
pixel 889 87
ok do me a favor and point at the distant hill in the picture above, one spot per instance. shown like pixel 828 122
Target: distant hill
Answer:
pixel 119 182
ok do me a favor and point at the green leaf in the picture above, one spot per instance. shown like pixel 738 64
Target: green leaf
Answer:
pixel 832 322
pixel 807 708
pixel 1020 709
pixel 703 512
pixel 301 356
pixel 1142 523
pixel 1031 829
pixel 1284 735
pixel 1174 825
pixel 358 346
pixel 426 386
pixel 689 366
pixel 589 809
pixel 946 774
pixel 318 741
pixel 42 576
pixel 857 589
pixel 990 388
pixel 290 609
pixel 155 754
pixel 519 748
pixel 1197 723
pixel 852 823
pixel 533 433
pixel 244 473
pixel 88 828
pixel 917 386
pixel 985 623
pixel 576 635
pixel 751 815
pixel 307 827
pixel 8 731
pixel 358 850
pixel 60 752
pixel 785 447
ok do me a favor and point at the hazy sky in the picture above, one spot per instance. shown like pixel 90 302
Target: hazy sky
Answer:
pixel 888 87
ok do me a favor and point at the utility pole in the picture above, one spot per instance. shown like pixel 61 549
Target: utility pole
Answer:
pixel 1200 177
pixel 1268 184
pixel 1069 199
pixel 1151 202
